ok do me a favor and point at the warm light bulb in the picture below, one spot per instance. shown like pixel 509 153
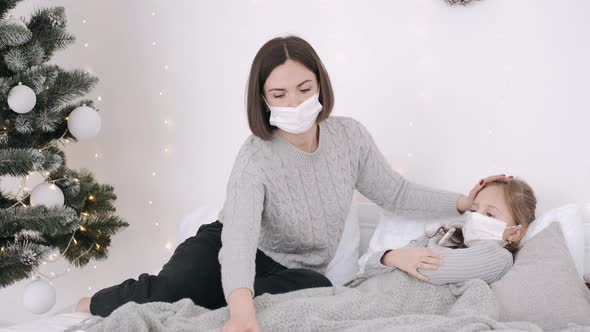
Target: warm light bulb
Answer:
pixel 97 246
pixel 75 242
pixel 91 197
pixel 82 228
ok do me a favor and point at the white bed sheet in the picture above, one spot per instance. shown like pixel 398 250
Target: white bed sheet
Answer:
pixel 56 323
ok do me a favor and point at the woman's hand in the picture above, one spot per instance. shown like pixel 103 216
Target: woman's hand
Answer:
pixel 412 259
pixel 241 323
pixel 465 203
pixel 242 314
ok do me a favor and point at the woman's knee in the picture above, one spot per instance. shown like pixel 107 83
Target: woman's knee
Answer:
pixel 305 278
pixel 311 278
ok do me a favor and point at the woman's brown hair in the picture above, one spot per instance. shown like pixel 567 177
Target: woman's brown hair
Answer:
pixel 272 54
pixel 521 202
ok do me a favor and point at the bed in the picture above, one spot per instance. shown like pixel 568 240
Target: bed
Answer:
pixel 362 227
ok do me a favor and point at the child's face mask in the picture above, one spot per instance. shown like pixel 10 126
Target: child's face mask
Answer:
pixel 480 227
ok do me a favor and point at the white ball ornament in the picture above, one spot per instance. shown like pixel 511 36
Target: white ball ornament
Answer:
pixel 21 99
pixel 84 122
pixel 47 194
pixel 12 186
pixel 39 297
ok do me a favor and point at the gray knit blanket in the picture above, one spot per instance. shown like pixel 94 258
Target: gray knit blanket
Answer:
pixel 388 302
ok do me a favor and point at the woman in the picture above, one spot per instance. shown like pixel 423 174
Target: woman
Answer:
pixel 479 248
pixel 288 194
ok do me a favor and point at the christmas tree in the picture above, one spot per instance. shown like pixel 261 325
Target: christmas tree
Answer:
pixel 42 108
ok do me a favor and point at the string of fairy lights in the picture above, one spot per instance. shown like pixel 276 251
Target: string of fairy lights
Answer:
pixel 168 245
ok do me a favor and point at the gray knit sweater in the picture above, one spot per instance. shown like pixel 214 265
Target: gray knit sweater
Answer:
pixel 486 260
pixel 292 204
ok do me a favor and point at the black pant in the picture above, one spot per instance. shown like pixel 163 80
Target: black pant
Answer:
pixel 194 272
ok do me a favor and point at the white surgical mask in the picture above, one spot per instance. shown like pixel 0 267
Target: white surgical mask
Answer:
pixel 480 227
pixel 296 120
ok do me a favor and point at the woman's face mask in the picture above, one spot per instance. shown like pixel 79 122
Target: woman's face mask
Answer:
pixel 296 120
pixel 480 227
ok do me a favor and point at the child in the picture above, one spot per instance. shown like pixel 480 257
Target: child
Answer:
pixel 480 248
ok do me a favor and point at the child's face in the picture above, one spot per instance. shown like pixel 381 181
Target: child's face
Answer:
pixel 490 202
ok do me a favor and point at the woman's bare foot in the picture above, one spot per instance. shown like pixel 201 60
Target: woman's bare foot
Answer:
pixel 83 305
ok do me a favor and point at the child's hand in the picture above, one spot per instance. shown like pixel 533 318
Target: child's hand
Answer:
pixel 412 259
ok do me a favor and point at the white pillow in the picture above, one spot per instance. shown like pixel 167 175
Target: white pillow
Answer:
pixel 396 231
pixel 343 265
pixel 572 225
pixel 189 225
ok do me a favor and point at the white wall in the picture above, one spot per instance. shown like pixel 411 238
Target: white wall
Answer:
pixel 450 94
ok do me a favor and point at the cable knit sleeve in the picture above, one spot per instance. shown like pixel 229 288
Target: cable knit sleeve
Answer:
pixel 377 181
pixel 241 217
pixel 485 260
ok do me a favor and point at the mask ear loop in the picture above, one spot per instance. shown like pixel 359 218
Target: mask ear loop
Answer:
pixel 268 106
